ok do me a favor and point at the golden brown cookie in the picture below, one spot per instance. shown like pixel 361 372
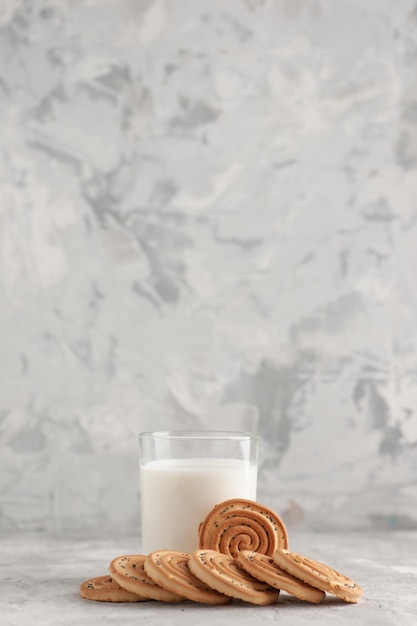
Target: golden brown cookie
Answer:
pixel 264 568
pixel 129 572
pixel 105 589
pixel 238 524
pixel 222 572
pixel 169 569
pixel 318 575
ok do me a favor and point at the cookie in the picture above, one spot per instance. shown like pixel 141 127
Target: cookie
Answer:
pixel 238 524
pixel 318 575
pixel 222 572
pixel 264 568
pixel 169 569
pixel 129 572
pixel 105 589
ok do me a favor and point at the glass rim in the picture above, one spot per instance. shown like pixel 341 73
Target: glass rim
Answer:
pixel 214 435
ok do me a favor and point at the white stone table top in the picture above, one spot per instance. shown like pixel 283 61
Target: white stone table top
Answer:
pixel 40 578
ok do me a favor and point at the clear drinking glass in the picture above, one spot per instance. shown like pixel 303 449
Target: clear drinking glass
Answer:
pixel 183 474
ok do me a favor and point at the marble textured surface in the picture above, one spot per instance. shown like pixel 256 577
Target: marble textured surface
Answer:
pixel 208 207
pixel 41 578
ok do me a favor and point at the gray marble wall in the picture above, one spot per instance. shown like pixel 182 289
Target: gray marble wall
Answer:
pixel 207 207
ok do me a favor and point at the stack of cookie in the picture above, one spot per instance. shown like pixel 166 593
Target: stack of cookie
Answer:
pixel 243 554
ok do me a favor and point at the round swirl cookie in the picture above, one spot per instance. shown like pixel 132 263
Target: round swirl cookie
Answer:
pixel 264 568
pixel 238 524
pixel 222 572
pixel 105 589
pixel 318 575
pixel 130 573
pixel 170 569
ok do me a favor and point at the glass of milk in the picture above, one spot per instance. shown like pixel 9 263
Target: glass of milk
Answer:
pixel 183 474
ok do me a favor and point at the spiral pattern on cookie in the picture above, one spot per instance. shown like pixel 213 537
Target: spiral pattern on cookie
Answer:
pixel 170 569
pixel 237 524
pixel 318 575
pixel 129 572
pixel 264 568
pixel 223 573
pixel 106 589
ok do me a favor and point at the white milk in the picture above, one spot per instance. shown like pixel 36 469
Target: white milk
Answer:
pixel 177 494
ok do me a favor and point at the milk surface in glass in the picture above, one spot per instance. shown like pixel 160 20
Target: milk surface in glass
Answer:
pixel 177 494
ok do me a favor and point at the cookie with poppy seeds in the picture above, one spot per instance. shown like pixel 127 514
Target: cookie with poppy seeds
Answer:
pixel 239 524
pixel 318 575
pixel 130 573
pixel 106 589
pixel 264 568
pixel 170 569
pixel 222 572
